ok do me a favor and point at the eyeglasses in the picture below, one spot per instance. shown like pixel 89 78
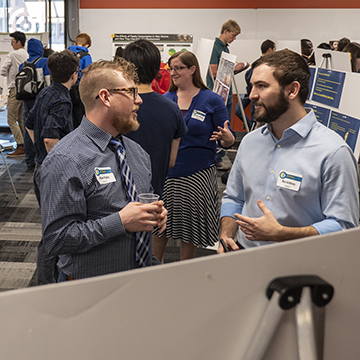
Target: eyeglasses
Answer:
pixel 133 90
pixel 177 68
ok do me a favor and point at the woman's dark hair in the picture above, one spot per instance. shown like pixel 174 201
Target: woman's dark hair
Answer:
pixel 188 59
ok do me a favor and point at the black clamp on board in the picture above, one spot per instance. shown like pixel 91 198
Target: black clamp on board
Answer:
pixel 326 56
pixel 290 289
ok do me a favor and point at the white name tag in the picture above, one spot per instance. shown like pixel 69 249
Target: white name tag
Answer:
pixel 289 181
pixel 104 175
pixel 198 115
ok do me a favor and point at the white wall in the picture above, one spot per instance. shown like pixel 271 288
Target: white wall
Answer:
pixel 285 24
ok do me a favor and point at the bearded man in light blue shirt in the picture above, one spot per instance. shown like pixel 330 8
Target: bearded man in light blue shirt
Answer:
pixel 293 177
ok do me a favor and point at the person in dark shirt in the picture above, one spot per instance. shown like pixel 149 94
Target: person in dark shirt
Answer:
pixel 48 121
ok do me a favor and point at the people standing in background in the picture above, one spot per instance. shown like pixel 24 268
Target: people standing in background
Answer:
pixel 190 193
pixel 35 49
pixel 354 50
pixel 307 51
pixel 160 119
pixel 10 68
pixel 229 31
pixel 48 52
pixel 49 121
pixel 342 43
pixel 81 49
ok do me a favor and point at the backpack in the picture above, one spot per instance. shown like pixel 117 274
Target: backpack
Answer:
pixel 26 84
pixel 162 81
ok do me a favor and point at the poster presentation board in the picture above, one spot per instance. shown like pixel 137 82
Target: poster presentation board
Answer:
pixel 206 308
pixel 224 75
pixel 168 44
pixel 203 54
pixel 338 60
pixel 333 98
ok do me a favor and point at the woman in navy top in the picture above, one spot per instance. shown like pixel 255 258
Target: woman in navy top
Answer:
pixel 190 192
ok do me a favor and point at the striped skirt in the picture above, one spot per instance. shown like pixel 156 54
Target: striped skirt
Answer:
pixel 193 211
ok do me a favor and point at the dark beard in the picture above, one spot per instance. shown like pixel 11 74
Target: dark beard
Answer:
pixel 273 112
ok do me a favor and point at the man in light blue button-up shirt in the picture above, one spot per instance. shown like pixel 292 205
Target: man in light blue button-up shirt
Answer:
pixel 293 177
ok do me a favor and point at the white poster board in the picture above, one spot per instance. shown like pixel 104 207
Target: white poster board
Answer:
pixel 205 308
pixel 338 61
pixel 203 54
pixel 224 75
pixel 348 106
pixel 294 45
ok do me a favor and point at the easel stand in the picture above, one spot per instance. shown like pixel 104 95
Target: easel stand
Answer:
pixel 327 59
pixel 285 293
pixel 240 104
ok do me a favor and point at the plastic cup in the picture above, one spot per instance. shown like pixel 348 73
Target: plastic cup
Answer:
pixel 148 198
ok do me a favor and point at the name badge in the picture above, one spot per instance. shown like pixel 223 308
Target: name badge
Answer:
pixel 289 181
pixel 198 115
pixel 104 175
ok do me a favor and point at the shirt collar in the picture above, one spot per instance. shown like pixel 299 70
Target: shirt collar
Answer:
pixel 100 137
pixel 221 43
pixel 302 127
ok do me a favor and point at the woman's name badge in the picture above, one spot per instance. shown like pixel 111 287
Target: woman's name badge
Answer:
pixel 104 175
pixel 289 181
pixel 198 115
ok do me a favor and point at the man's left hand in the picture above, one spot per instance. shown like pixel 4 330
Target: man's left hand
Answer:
pixel 264 228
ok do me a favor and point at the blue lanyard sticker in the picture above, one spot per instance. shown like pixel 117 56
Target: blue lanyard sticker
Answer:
pixel 289 181
pixel 104 175
pixel 198 115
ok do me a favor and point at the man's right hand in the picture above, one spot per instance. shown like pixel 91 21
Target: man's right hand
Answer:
pixel 230 243
pixel 141 217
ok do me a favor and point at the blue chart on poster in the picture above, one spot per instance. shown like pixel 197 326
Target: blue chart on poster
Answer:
pixel 328 87
pixel 322 114
pixel 346 126
pixel 311 81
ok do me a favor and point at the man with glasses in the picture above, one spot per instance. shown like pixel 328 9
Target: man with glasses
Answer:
pixel 10 68
pixel 48 121
pixel 91 218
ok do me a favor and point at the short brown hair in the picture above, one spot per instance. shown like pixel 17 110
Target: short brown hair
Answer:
pixel 288 67
pixel 83 39
pixel 62 65
pixel 100 75
pixel 188 59
pixel 231 26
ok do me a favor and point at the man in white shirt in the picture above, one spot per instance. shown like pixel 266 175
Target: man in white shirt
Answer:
pixel 9 69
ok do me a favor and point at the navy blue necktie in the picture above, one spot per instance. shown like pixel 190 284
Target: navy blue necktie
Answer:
pixel 142 237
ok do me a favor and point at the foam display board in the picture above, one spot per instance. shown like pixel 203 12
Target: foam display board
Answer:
pixel 348 107
pixel 206 308
pixel 339 60
pixel 203 54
